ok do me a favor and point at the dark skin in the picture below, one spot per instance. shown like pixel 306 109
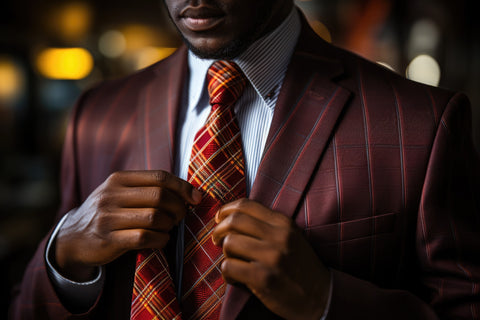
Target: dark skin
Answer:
pixel 266 252
pixel 131 210
pixel 222 29
pixel 137 209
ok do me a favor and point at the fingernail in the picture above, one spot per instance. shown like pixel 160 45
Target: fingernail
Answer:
pixel 197 195
pixel 216 216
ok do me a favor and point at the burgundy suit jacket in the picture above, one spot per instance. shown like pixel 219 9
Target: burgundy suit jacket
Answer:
pixel 380 173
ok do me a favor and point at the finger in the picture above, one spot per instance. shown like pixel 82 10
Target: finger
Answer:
pixel 140 218
pixel 236 271
pixel 158 178
pixel 242 223
pixel 253 209
pixel 152 197
pixel 252 250
pixel 135 239
pixel 251 274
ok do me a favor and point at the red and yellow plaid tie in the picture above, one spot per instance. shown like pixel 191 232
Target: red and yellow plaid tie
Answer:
pixel 217 168
pixel 153 290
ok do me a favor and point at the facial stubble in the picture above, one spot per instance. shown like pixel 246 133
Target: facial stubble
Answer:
pixel 238 45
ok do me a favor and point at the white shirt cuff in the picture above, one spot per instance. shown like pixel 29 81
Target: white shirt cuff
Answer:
pixel 75 295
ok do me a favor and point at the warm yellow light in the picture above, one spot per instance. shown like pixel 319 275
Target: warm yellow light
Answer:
pixel 139 36
pixel 321 30
pixel 73 20
pixel 11 80
pixel 150 55
pixel 65 63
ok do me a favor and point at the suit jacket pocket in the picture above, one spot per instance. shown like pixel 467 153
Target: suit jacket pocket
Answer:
pixel 360 247
pixel 351 230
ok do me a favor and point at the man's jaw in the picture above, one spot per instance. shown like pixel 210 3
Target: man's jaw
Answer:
pixel 231 51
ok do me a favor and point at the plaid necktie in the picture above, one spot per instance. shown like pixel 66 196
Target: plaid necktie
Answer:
pixel 153 291
pixel 216 168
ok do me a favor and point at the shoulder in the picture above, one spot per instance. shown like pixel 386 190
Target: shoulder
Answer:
pixel 125 93
pixel 372 82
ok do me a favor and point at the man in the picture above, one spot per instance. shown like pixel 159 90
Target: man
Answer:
pixel 362 186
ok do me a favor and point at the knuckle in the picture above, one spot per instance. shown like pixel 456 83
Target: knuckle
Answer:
pixel 161 176
pixel 114 177
pixel 104 201
pixel 225 268
pixel 102 221
pixel 156 194
pixel 151 217
pixel 242 203
pixel 233 219
pixel 139 238
pixel 228 243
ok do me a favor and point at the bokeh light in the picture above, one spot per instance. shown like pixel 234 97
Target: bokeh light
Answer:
pixel 71 21
pixel 139 36
pixel 112 44
pixel 424 69
pixel 321 30
pixel 64 63
pixel 150 55
pixel 12 80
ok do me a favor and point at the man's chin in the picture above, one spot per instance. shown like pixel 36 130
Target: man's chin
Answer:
pixel 228 52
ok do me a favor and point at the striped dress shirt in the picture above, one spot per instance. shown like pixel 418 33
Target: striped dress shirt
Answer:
pixel 264 64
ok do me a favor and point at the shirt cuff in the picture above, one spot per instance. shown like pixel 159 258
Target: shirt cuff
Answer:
pixel 78 296
pixel 329 301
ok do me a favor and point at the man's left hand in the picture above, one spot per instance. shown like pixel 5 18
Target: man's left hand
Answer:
pixel 267 253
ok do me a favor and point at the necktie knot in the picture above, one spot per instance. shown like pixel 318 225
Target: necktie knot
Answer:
pixel 225 83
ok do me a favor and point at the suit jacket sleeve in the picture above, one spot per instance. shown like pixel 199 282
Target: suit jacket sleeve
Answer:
pixel 36 298
pixel 447 237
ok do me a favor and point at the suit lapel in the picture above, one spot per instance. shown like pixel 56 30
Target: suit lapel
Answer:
pixel 160 113
pixel 305 116
pixel 308 107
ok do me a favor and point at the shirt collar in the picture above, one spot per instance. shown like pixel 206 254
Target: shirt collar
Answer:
pixel 264 63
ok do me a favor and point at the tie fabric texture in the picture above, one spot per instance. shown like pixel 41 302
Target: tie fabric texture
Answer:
pixel 153 290
pixel 217 168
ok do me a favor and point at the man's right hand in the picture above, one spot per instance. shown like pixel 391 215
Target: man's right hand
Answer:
pixel 131 210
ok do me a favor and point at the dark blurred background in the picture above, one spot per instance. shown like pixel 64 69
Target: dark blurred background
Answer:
pixel 50 51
